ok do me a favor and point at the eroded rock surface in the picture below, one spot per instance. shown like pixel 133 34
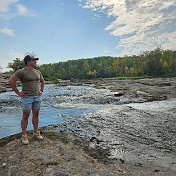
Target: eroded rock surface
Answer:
pixel 56 155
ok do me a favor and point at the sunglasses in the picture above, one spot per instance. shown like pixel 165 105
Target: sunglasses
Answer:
pixel 33 60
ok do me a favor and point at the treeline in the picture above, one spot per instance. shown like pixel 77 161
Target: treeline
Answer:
pixel 156 63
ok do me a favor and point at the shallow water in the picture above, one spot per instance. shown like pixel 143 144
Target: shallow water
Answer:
pixel 50 113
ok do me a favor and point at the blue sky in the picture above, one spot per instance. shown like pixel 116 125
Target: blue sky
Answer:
pixel 61 30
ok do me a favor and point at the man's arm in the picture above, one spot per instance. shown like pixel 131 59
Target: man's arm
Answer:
pixel 42 83
pixel 12 82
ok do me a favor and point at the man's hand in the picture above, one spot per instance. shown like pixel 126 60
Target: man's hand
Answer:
pixel 41 92
pixel 22 93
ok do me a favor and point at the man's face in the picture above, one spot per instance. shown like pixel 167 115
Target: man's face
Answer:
pixel 32 63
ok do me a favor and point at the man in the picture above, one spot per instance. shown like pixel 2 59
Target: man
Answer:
pixel 32 88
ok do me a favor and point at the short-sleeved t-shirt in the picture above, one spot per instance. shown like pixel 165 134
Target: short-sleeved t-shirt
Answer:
pixel 30 80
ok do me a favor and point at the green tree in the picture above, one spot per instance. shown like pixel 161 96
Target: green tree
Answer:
pixel 17 64
pixel 154 62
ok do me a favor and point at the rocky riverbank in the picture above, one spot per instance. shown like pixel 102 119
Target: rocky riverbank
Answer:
pixel 118 139
pixel 58 155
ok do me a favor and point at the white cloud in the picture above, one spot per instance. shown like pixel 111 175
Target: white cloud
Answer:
pixel 22 10
pixel 5 5
pixel 7 31
pixel 11 8
pixel 140 24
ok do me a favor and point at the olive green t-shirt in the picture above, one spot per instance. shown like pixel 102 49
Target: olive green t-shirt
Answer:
pixel 30 80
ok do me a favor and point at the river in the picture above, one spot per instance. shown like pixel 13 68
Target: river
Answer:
pixel 10 113
pixel 134 132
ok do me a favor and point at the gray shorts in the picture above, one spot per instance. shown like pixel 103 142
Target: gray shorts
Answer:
pixel 31 102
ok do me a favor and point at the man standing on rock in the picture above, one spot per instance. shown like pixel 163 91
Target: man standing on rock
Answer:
pixel 32 88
